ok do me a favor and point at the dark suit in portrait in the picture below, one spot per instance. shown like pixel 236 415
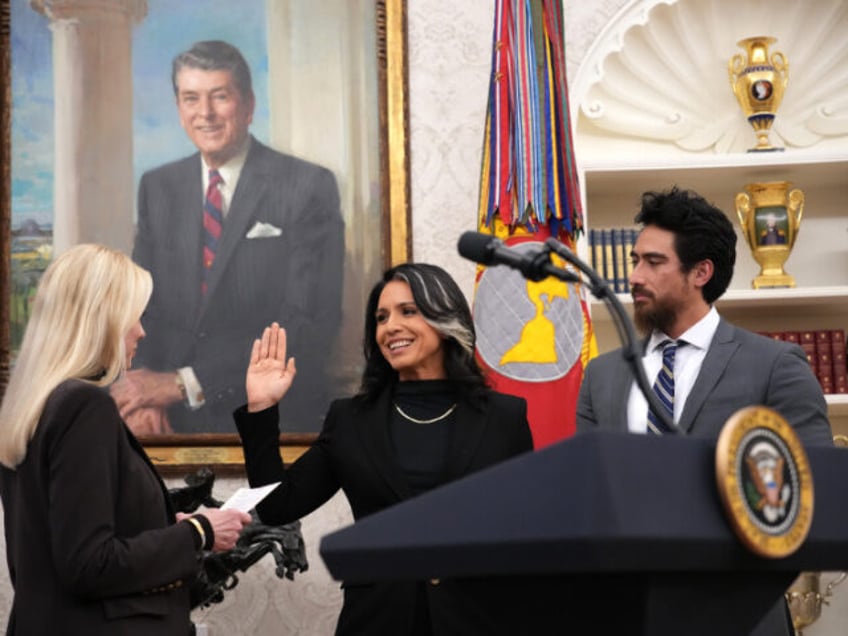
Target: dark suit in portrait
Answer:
pixel 91 538
pixel 279 259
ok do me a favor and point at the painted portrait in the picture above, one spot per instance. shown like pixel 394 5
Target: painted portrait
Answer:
pixel 96 127
pixel 772 226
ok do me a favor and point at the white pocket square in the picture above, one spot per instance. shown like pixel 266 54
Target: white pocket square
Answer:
pixel 263 230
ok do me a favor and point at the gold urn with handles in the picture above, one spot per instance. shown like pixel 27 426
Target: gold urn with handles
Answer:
pixel 770 216
pixel 805 598
pixel 759 80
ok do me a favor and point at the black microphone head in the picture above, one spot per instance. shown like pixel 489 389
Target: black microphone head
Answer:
pixel 477 247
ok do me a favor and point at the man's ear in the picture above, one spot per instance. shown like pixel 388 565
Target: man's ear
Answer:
pixel 702 272
pixel 251 107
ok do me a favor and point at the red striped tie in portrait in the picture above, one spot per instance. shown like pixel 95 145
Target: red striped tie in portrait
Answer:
pixel 213 221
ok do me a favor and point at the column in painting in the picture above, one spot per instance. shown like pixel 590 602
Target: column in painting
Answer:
pixel 92 71
pixel 322 84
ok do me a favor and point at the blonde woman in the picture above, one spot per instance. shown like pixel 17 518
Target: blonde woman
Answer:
pixel 93 544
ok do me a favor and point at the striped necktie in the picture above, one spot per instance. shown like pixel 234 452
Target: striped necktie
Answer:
pixel 213 220
pixel 664 387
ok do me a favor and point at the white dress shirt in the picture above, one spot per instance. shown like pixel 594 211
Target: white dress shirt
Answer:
pixel 230 173
pixel 687 365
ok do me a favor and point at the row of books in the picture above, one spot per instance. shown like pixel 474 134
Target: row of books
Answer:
pixel 825 349
pixel 609 252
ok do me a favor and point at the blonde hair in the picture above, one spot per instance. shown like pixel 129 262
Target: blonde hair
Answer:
pixel 86 302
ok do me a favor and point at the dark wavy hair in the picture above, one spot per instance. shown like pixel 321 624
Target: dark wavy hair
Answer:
pixel 701 232
pixel 214 55
pixel 443 307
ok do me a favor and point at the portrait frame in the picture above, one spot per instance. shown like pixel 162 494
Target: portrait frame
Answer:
pixel 179 454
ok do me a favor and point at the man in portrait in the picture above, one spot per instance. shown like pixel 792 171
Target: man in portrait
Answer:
pixel 236 236
pixel 772 234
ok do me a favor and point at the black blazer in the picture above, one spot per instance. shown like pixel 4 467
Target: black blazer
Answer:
pixel 353 452
pixel 91 542
pixel 294 278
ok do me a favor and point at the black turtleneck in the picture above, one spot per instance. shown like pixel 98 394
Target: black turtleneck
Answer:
pixel 421 449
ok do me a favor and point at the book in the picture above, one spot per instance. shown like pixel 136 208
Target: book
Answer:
pixel 808 344
pixel 596 252
pixel 609 260
pixel 629 242
pixel 822 340
pixel 792 336
pixel 617 237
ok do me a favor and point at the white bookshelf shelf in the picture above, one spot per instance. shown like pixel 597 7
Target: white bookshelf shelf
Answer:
pixel 837 404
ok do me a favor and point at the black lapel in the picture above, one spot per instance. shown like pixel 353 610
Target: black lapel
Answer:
pixel 465 436
pixel 136 446
pixel 186 223
pixel 372 424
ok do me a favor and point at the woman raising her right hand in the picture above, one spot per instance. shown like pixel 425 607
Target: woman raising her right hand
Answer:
pixel 423 417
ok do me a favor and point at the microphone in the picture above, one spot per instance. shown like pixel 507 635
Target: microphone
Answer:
pixel 535 265
pixel 488 250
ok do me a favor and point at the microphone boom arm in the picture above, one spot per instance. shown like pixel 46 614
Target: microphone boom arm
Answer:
pixel 624 326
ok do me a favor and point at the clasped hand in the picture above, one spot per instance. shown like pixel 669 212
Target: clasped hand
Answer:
pixel 269 375
pixel 142 397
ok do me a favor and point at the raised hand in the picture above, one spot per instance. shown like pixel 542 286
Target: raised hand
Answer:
pixel 269 375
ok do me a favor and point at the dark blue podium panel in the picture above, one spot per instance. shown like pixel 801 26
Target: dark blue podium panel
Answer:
pixel 597 503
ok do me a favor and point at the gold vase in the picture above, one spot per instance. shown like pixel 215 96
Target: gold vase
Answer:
pixel 805 598
pixel 759 81
pixel 770 216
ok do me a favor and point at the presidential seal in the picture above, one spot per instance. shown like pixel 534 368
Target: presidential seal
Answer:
pixel 765 482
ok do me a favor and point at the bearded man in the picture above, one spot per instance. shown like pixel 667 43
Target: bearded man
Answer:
pixel 708 368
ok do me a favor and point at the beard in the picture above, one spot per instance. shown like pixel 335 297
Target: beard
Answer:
pixel 660 315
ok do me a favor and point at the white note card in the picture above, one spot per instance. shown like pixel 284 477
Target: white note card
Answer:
pixel 245 499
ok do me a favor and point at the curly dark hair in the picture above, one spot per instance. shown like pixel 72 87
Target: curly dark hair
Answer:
pixel 443 307
pixel 701 232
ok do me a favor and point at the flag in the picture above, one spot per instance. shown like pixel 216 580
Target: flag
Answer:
pixel 533 338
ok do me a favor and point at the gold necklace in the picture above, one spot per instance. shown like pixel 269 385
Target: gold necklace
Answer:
pixel 430 421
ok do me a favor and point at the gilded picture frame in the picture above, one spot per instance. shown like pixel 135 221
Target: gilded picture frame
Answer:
pixel 179 454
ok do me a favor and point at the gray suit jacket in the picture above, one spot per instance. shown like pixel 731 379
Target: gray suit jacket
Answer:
pixel 294 278
pixel 741 369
